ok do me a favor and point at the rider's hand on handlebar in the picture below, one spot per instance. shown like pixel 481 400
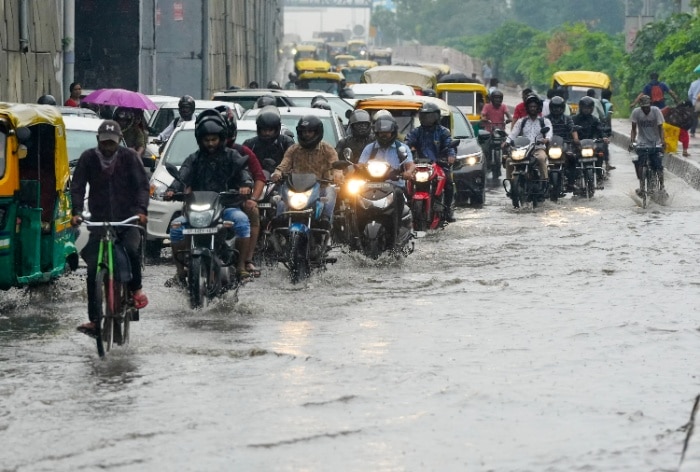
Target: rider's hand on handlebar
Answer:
pixel 143 219
pixel 275 177
pixel 168 195
pixel 451 160
pixel 245 190
pixel 76 220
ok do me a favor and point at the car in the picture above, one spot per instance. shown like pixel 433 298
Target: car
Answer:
pixel 247 97
pixel 333 130
pixel 78 111
pixel 246 130
pixel 372 90
pixel 302 98
pixel 469 169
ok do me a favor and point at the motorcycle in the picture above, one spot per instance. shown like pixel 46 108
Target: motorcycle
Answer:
pixel 300 241
pixel 377 221
pixel 212 255
pixel 526 184
pixel 558 153
pixel 492 142
pixel 587 167
pixel 264 251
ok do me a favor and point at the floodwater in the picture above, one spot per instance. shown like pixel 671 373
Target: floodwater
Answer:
pixel 560 339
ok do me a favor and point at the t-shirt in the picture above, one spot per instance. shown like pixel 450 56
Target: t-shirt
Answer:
pixel 647 126
pixel 495 115
pixel 656 99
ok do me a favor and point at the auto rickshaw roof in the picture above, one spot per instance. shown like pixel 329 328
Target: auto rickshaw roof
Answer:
pixel 313 65
pixel 337 76
pixel 436 68
pixel 362 64
pixel 408 75
pixel 461 87
pixel 401 102
pixel 582 78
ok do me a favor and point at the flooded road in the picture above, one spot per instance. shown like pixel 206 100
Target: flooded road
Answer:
pixel 559 339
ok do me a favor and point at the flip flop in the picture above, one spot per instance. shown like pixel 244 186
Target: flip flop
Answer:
pixel 251 269
pixel 92 332
pixel 140 301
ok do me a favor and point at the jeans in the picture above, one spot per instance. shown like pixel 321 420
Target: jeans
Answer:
pixel 241 224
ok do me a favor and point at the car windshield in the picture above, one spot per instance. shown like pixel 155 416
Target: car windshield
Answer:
pixel 182 145
pixel 338 105
pixel 461 127
pixel 328 86
pixel 245 134
pixel 353 76
pixel 3 161
pixel 469 103
pixel 79 141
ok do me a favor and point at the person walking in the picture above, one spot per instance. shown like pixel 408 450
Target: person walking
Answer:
pixel 656 91
pixel 486 73
pixel 694 97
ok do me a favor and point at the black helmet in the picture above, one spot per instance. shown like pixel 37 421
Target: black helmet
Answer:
pixel 321 105
pixel 210 122
pixel 318 98
pixel 46 100
pixel 385 124
pixel 309 123
pixel 360 123
pixel 586 103
pixel 228 117
pixel 186 101
pixel 496 93
pixel 429 114
pixel 265 100
pixel 557 106
pixel 269 118
pixel 123 116
pixel 273 84
pixel 532 98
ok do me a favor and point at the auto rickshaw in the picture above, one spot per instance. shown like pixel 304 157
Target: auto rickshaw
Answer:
pixel 417 77
pixel 312 65
pixel 341 60
pixel 324 81
pixel 577 83
pixel 37 243
pixel 357 48
pixel 381 55
pixel 469 98
pixel 438 69
pixel 354 70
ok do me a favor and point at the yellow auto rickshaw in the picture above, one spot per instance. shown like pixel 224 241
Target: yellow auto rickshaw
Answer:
pixel 323 81
pixel 312 65
pixel 354 70
pixel 469 98
pixel 37 243
pixel 404 109
pixel 577 83
pixel 357 48
pixel 417 77
pixel 342 60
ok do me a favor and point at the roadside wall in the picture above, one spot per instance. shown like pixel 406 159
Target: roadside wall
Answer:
pixel 24 77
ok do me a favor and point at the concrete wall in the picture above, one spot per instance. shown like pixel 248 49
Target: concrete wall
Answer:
pixel 24 77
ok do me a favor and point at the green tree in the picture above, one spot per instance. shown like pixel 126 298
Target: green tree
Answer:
pixel 385 22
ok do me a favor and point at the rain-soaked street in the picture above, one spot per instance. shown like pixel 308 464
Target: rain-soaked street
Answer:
pixel 556 340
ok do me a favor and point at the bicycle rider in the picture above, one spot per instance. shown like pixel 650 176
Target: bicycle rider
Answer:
pixel 648 132
pixel 119 189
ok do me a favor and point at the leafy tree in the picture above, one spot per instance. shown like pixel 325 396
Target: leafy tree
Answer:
pixel 385 22
pixel 603 15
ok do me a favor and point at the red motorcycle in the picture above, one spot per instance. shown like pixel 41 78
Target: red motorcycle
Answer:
pixel 427 193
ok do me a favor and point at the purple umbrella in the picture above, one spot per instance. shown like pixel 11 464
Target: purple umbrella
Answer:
pixel 120 98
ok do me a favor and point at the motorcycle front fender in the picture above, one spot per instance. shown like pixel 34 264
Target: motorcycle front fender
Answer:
pixel 372 230
pixel 421 196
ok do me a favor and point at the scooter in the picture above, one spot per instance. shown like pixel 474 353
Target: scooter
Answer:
pixel 526 184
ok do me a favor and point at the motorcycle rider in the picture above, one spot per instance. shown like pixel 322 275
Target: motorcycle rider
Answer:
pixel 216 168
pixel 648 131
pixel 269 143
pixel 432 141
pixel 530 126
pixel 133 135
pixel 360 135
pixel 185 107
pixel 46 100
pixel 591 127
pixel 563 126
pixel 312 155
pixel 265 100
pixel 495 113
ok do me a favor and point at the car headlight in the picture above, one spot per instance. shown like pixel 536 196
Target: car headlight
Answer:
pixel 298 201
pixel 518 154
pixel 157 190
pixel 554 152
pixel 354 186
pixel 377 168
pixel 200 219
pixel 423 175
pixel 587 152
pixel 470 159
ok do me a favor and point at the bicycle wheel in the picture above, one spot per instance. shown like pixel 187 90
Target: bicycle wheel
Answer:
pixel 104 321
pixel 644 185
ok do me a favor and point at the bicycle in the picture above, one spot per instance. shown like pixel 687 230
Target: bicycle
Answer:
pixel 650 180
pixel 112 295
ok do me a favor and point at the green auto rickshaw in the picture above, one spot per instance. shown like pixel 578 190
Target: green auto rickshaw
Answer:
pixel 37 243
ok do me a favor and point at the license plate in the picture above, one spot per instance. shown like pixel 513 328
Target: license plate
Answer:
pixel 200 230
pixel 374 185
pixel 264 205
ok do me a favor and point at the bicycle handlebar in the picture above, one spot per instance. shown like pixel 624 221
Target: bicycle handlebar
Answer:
pixel 125 223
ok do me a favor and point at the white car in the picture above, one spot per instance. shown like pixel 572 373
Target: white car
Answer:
pixel 333 130
pixel 372 90
pixel 302 98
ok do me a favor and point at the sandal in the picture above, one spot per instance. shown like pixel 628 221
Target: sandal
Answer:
pixel 140 301
pixel 251 269
pixel 243 275
pixel 88 329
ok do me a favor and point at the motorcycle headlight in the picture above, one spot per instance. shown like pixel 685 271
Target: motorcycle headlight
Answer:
pixel 587 152
pixel 355 186
pixel 201 218
pixel 298 201
pixel 377 168
pixel 423 175
pixel 470 159
pixel 554 152
pixel 518 154
pixel 157 190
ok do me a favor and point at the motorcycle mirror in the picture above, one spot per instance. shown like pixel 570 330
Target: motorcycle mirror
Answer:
pixel 348 113
pixel 172 170
pixel 347 154
pixel 341 165
pixel 455 143
pixel 544 130
pixel 403 152
pixel 508 121
pixel 23 134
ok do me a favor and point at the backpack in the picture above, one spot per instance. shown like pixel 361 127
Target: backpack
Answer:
pixel 657 94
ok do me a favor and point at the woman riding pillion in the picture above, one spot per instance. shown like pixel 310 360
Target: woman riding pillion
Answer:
pixel 433 141
pixel 119 189
pixel 531 126
pixel 214 168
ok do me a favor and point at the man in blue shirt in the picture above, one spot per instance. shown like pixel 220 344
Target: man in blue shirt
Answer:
pixel 433 141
